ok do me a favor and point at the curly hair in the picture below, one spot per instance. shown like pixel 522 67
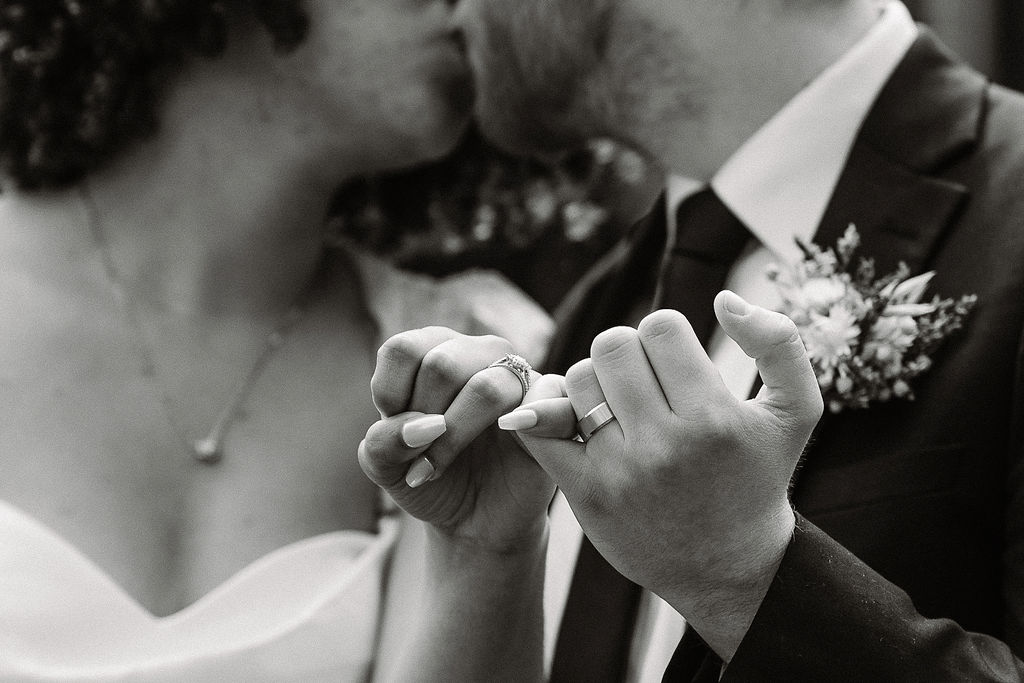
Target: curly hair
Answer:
pixel 82 79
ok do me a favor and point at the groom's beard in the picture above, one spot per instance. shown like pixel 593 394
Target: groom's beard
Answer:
pixel 553 74
pixel 536 66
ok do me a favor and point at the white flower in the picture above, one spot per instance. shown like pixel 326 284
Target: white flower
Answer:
pixel 484 222
pixel 541 202
pixel 582 219
pixel 829 337
pixel 897 331
pixel 867 338
pixel 844 384
pixel 630 167
pixel 603 150
pixel 819 293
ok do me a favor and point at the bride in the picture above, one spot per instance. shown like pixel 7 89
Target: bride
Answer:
pixel 184 365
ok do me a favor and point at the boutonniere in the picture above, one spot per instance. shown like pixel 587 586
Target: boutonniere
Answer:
pixel 868 337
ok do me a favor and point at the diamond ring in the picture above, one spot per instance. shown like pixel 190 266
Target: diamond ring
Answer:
pixel 518 366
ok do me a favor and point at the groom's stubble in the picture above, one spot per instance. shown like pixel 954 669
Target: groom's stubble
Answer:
pixel 551 75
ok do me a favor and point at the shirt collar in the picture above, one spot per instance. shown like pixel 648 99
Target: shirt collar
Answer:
pixel 780 180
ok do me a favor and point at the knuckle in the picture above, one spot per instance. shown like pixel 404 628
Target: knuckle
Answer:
pixel 663 323
pixel 439 365
pixel 380 441
pixel 399 348
pixel 500 343
pixel 492 388
pixel 791 345
pixel 663 466
pixel 369 464
pixel 715 429
pixel 614 343
pixel 816 408
pixel 785 344
pixel 819 407
pixel 439 331
pixel 784 335
pixel 386 386
pixel 581 377
pixel 388 394
pixel 554 382
pixel 371 456
pixel 546 386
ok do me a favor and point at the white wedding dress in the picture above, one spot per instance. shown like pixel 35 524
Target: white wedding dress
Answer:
pixel 309 611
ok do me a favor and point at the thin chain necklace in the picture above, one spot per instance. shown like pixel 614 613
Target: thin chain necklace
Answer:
pixel 208 449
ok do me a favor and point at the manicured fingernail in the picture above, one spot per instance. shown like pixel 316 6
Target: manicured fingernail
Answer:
pixel 521 418
pixel 735 305
pixel 423 430
pixel 420 473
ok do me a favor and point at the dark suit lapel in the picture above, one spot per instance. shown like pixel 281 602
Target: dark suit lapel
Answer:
pixel 927 117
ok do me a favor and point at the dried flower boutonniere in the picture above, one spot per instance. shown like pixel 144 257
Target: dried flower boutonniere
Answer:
pixel 867 337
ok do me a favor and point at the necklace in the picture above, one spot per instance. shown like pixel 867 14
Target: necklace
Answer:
pixel 207 449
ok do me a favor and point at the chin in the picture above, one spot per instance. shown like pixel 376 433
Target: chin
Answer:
pixel 442 138
pixel 432 136
pixel 444 115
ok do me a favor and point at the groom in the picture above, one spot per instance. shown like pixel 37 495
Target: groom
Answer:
pixel 776 120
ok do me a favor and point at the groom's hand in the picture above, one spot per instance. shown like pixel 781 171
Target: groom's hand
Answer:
pixel 686 490
pixel 436 450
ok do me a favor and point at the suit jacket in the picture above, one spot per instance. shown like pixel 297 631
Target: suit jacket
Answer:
pixel 908 561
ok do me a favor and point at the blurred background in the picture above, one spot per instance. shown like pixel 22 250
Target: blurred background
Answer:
pixel 544 226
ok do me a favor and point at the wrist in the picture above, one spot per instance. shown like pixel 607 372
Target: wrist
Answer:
pixel 448 550
pixel 722 600
pixel 755 556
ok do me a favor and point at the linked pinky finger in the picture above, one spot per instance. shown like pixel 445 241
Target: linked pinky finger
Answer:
pixel 546 417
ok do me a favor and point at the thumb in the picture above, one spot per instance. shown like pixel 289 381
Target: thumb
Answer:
pixel 773 341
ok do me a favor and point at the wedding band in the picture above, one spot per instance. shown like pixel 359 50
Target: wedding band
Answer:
pixel 596 417
pixel 518 366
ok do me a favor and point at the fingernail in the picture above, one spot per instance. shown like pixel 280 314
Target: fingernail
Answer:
pixel 420 473
pixel 735 305
pixel 521 418
pixel 423 430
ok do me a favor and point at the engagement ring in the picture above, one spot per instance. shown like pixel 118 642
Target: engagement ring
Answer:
pixel 518 366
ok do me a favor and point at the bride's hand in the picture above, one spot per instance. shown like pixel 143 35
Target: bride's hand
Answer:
pixel 436 449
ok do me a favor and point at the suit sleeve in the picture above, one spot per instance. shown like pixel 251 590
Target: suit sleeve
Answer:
pixel 828 616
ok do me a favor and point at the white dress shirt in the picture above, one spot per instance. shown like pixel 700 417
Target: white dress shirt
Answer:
pixel 778 183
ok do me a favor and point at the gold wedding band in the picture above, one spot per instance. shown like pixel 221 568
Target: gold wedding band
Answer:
pixel 518 366
pixel 596 417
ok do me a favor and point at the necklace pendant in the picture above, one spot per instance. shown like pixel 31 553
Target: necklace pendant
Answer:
pixel 207 451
